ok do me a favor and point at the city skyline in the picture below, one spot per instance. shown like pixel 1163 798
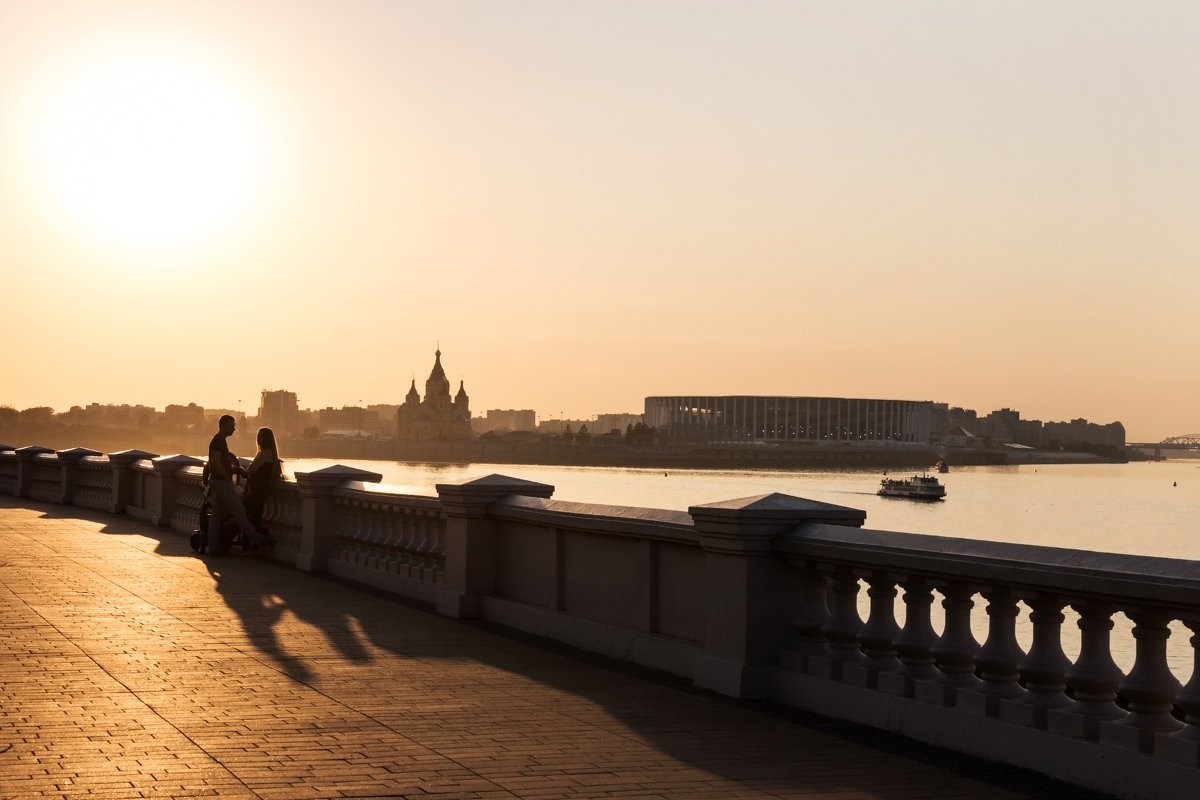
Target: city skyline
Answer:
pixel 583 205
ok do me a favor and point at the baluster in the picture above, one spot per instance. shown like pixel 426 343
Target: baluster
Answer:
pixel 878 635
pixel 362 528
pixel 363 539
pixel 1044 668
pixel 996 662
pixel 1150 687
pixel 915 642
pixel 437 549
pixel 388 552
pixel 814 613
pixel 1093 679
pixel 841 629
pixel 954 652
pixel 421 544
pixel 429 564
pixel 1184 747
pixel 404 539
pixel 343 539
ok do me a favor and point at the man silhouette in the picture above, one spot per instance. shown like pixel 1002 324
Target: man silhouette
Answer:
pixel 222 467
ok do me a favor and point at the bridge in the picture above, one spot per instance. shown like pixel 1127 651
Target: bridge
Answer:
pixel 1188 441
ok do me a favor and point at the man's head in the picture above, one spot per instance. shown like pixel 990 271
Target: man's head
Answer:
pixel 227 424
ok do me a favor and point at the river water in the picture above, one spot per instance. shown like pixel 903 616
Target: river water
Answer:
pixel 1143 508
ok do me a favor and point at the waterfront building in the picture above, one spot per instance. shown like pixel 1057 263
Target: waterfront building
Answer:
pixel 746 419
pixel 437 416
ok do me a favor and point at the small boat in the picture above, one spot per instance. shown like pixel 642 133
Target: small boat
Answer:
pixel 942 467
pixel 918 487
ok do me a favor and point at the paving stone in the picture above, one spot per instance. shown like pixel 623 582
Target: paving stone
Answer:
pixel 131 668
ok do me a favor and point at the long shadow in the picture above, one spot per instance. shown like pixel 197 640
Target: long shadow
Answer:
pixel 677 719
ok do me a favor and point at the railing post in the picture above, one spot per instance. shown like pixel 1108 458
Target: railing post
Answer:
pixel 8 470
pixel 470 544
pixel 122 479
pixel 749 621
pixel 25 458
pixel 70 466
pixel 165 468
pixel 318 520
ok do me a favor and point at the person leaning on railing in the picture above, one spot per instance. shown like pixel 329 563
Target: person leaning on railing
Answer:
pixel 222 467
pixel 265 469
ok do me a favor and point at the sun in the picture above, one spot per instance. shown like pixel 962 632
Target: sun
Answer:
pixel 147 147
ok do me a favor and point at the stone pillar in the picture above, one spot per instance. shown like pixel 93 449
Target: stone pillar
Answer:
pixel 122 479
pixel 165 468
pixel 753 595
pixel 25 459
pixel 70 463
pixel 471 539
pixel 318 522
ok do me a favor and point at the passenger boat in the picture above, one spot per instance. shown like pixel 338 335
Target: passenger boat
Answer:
pixel 918 487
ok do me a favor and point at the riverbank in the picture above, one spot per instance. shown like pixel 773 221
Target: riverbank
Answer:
pixel 599 452
pixel 531 452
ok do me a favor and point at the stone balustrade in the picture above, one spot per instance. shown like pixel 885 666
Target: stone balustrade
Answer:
pixel 956 642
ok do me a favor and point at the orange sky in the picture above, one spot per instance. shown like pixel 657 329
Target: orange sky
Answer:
pixel 984 204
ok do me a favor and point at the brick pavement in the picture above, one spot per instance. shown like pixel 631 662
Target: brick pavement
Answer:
pixel 130 667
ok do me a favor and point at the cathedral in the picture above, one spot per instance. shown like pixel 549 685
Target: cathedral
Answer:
pixel 437 416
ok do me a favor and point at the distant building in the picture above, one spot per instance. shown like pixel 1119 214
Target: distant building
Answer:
pixel 500 419
pixel 438 415
pixel 1002 425
pixel 279 411
pixel 752 419
pixel 606 423
pixel 189 417
pixel 122 416
pixel 1080 431
pixel 348 421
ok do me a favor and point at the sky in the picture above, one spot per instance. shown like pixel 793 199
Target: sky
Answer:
pixel 986 204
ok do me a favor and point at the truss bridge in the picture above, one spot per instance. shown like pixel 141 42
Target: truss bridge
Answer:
pixel 1188 441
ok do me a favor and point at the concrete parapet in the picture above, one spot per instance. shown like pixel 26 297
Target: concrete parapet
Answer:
pixel 470 539
pixel 70 462
pixel 753 594
pixel 26 457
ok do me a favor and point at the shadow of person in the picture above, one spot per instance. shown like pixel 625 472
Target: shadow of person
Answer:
pixel 281 618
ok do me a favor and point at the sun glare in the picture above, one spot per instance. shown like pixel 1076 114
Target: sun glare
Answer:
pixel 146 148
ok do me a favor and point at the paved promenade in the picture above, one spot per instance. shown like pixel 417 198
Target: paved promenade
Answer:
pixel 130 667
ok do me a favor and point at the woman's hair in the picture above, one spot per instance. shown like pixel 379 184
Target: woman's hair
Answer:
pixel 266 441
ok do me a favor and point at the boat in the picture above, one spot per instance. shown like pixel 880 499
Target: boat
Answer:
pixel 918 487
pixel 941 466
